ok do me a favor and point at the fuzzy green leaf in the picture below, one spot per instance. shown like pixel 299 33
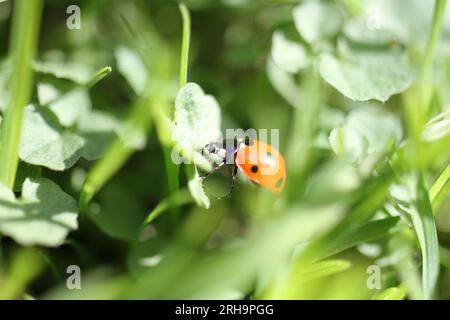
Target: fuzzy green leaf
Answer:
pixel 44 142
pixel 367 76
pixel 71 106
pixel 44 214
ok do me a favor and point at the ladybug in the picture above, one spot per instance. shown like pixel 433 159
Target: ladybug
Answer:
pixel 257 160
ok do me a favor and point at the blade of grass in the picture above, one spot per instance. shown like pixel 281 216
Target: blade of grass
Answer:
pixel 185 43
pixel 370 231
pixel 171 168
pixel 440 188
pixel 394 293
pixel 23 46
pixel 323 269
pixel 425 228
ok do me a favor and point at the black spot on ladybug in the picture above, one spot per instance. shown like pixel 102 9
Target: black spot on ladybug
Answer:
pixel 279 183
pixel 248 141
pixel 254 169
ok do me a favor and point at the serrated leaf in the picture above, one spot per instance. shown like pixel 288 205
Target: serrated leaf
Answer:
pixel 44 214
pixel 71 106
pixel 368 76
pixel 132 68
pixel 44 142
pixel 289 55
pixel 316 20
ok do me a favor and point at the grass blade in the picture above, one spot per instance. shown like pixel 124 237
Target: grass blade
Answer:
pixel 24 40
pixel 395 293
pixel 440 188
pixel 425 228
pixel 370 231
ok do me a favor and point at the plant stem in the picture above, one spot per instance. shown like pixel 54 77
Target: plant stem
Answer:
pixel 440 188
pixel 99 76
pixel 185 43
pixel 24 40
pixel 435 34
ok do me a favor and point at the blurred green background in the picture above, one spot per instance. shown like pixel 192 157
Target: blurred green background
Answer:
pixel 367 172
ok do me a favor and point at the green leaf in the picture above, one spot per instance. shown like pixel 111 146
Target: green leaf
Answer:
pixel 196 187
pixel 323 269
pixel 44 142
pixel 98 129
pixel 359 30
pixel 437 128
pixel 197 117
pixel 288 55
pixel 54 64
pixel 316 20
pixel 196 123
pixel 440 188
pixel 367 232
pixel 361 135
pixel 395 293
pixel 71 106
pixel 44 214
pixel 47 93
pixel 132 68
pixel 367 76
pixel 425 228
pixel 284 83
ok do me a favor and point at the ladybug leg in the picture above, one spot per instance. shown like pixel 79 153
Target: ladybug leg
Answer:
pixel 233 180
pixel 203 177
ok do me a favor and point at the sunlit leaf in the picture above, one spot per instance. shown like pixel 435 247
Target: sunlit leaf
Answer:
pixel 43 215
pixel 395 293
pixel 367 77
pixel 44 142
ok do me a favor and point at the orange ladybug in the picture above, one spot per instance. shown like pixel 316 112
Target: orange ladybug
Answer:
pixel 257 160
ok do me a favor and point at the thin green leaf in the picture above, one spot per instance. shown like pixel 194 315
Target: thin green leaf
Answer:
pixel 425 228
pixel 395 293
pixel 24 39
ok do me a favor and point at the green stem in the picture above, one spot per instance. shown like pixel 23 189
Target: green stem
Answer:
pixel 435 34
pixel 440 188
pixel 24 40
pixel 185 43
pixel 99 76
